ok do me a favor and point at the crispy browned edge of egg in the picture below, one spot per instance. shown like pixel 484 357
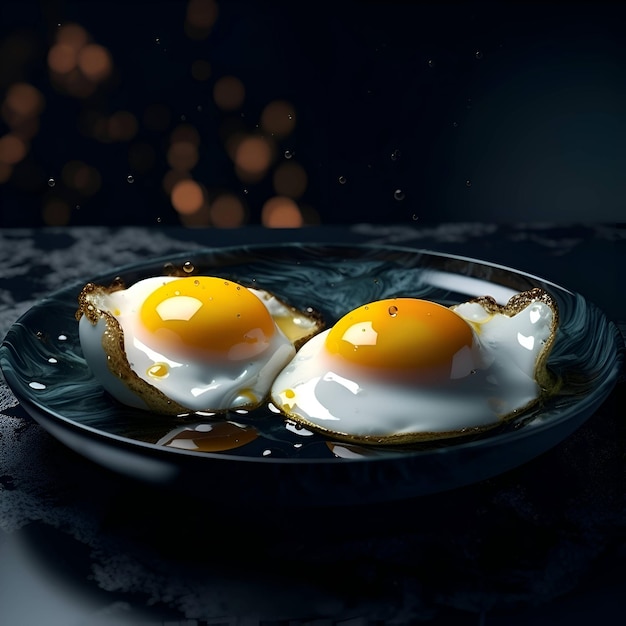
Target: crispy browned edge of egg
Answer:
pixel 113 345
pixel 548 382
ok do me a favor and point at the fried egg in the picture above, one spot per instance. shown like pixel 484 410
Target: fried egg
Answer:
pixel 403 370
pixel 195 343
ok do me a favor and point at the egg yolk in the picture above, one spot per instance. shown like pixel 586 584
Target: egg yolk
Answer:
pixel 209 315
pixel 401 336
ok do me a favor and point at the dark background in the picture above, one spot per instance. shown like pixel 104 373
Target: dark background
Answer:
pixel 404 111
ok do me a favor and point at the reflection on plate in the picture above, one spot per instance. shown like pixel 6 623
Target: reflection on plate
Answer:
pixel 257 457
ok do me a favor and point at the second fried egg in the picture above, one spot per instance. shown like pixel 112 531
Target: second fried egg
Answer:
pixel 402 370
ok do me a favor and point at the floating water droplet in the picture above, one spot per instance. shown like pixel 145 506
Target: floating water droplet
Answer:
pixel 468 183
pixel 159 220
pixel 157 41
pixel 478 54
pixel 398 194
pixel 188 267
pixel 267 452
pixel 130 179
pixel 431 63
pixel 36 385
pixel 169 269
pixel 62 337
pixel 246 192
pixel 455 124
pixel 395 155
pixel 183 118
pixel 414 217
pixel 393 311
pixel 289 154
pixel 77 207
pixel 342 180
pixel 52 360
pixel 51 182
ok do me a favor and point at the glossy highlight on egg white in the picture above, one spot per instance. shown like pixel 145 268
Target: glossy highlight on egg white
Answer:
pixel 175 344
pixel 402 370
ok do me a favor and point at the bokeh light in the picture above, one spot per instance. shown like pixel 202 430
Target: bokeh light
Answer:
pixel 281 212
pixel 227 211
pixel 122 126
pixel 290 179
pixel 82 177
pixel 200 18
pixel 253 156
pixel 229 93
pixel 12 149
pixel 22 101
pixel 56 212
pixel 187 197
pixel 278 118
pixel 95 62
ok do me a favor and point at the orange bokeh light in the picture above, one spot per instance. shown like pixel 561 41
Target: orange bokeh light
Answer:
pixel 278 118
pixel 72 35
pixel 82 177
pixel 122 126
pixel 229 93
pixel 227 211
pixel 12 149
pixel 252 157
pixel 62 58
pixel 281 212
pixel 22 101
pixel 95 62
pixel 187 197
pixel 200 18
pixel 290 179
pixel 56 213
pixel 182 155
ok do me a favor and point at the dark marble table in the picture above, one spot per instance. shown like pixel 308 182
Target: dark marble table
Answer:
pixel 542 544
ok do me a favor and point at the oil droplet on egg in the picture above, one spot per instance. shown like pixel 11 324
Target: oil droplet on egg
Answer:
pixel 393 311
pixel 158 370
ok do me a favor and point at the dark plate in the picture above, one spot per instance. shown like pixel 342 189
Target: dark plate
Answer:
pixel 43 364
